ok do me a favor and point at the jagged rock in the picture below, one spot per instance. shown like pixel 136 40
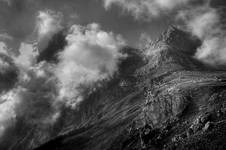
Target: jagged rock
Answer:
pixel 199 122
pixel 190 132
pixel 219 113
pixel 207 126
pixel 180 40
pixel 204 118
pixel 177 138
pixel 196 125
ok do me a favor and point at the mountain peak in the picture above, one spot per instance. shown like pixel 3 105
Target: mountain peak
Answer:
pixel 179 39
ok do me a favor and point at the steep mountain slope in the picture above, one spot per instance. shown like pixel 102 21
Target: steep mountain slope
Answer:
pixel 163 100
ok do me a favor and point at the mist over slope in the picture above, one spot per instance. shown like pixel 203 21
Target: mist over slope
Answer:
pixel 161 98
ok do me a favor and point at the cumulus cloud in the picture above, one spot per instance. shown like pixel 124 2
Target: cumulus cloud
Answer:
pixel 91 55
pixel 146 8
pixel 205 23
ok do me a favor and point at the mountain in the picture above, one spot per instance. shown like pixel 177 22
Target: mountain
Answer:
pixel 162 98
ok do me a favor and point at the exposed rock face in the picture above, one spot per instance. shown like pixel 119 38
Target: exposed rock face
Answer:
pixel 166 100
pixel 180 40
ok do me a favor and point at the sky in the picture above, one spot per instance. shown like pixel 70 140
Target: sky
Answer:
pixel 52 52
pixel 19 17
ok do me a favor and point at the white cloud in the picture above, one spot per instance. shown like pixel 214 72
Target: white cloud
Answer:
pixel 7 110
pixel 11 45
pixel 33 99
pixel 4 66
pixel 202 21
pixel 146 8
pixel 205 23
pixel 90 56
pixel 27 55
pixel 3 48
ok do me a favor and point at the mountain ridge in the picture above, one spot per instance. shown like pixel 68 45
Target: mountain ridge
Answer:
pixel 164 100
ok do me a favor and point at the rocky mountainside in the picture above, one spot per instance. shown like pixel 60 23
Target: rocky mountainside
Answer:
pixel 165 99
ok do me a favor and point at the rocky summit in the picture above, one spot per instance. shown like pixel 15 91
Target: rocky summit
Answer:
pixel 161 98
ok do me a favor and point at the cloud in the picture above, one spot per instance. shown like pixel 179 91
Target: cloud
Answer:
pixel 8 73
pixel 7 111
pixel 55 45
pixel 17 21
pixel 91 55
pixel 205 23
pixel 2 48
pixel 27 90
pixel 32 100
pixel 27 55
pixel 48 24
pixel 24 51
pixel 146 9
pixel 37 93
pixel 202 20
pixel 44 89
pixel 31 21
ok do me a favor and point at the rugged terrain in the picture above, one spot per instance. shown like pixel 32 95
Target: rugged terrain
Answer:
pixel 161 98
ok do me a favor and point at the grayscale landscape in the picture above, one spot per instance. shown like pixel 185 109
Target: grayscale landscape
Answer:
pixel 112 75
